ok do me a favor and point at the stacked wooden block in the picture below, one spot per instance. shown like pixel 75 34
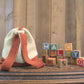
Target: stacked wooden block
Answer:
pixel 52 56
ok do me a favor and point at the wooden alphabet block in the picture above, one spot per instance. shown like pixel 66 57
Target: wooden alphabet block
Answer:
pixel 68 53
pixel 82 61
pixel 51 61
pixel 58 57
pixel 46 46
pixel 76 53
pixel 68 46
pixel 59 52
pixel 79 61
pixel 53 53
pixel 68 59
pixel 44 52
pixel 73 61
pixel 44 58
pixel 53 46
pixel 62 63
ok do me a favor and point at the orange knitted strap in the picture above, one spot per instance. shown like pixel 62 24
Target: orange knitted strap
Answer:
pixel 35 63
pixel 8 62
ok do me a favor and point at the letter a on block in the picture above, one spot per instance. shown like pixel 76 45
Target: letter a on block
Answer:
pixel 53 46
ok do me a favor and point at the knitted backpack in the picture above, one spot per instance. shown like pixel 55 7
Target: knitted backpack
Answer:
pixel 19 50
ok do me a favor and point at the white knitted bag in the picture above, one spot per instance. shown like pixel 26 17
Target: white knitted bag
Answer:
pixel 31 47
pixel 19 48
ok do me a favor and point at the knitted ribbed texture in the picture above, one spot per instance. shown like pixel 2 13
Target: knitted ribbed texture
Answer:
pixel 20 41
pixel 7 64
pixel 35 63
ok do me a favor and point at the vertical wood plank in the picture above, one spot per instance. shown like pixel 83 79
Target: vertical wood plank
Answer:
pixel 20 13
pixel 8 15
pixel 6 20
pixel 70 22
pixel 43 22
pixel 58 23
pixel 32 16
pixel 79 24
pixel 2 24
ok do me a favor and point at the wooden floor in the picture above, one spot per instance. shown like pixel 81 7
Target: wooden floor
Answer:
pixel 47 74
pixel 47 69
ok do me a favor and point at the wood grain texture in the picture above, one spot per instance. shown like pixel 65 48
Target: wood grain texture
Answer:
pixel 43 22
pixel 20 13
pixel 70 23
pixel 79 24
pixel 6 20
pixel 2 24
pixel 58 23
pixel 32 16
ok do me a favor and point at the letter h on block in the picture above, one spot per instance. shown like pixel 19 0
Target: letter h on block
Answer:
pixel 46 46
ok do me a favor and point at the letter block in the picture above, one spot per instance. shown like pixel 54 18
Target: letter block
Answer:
pixel 62 63
pixel 44 58
pixel 79 61
pixel 68 53
pixel 58 57
pixel 46 46
pixel 73 61
pixel 76 53
pixel 68 59
pixel 51 61
pixel 53 53
pixel 59 52
pixel 83 61
pixel 44 52
pixel 68 46
pixel 53 46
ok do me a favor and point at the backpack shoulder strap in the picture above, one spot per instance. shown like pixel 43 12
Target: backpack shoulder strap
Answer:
pixel 36 63
pixel 8 62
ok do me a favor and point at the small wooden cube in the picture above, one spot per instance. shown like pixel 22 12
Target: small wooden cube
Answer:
pixel 53 53
pixel 46 46
pixel 68 46
pixel 82 61
pixel 79 61
pixel 76 53
pixel 51 61
pixel 53 46
pixel 44 58
pixel 68 53
pixel 59 52
pixel 58 57
pixel 68 59
pixel 73 61
pixel 62 63
pixel 44 52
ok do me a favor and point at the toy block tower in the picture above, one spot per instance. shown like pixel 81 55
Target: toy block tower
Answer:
pixel 53 48
pixel 51 61
pixel 59 54
pixel 62 63
pixel 45 52
pixel 76 53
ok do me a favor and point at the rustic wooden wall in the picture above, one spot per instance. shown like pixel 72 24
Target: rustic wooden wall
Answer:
pixel 56 21
pixel 6 19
